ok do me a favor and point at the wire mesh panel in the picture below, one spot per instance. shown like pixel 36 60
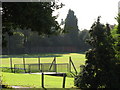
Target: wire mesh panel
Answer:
pixel 21 67
pixel 62 67
pixel 42 67
pixel 34 67
pixel 47 67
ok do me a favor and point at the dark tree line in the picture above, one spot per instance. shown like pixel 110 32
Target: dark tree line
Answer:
pixel 36 16
pixel 27 41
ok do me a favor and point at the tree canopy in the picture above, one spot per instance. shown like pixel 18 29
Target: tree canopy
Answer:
pixel 71 28
pixel 36 16
pixel 118 37
pixel 28 42
pixel 99 70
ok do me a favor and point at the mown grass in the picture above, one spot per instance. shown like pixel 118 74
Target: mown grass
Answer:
pixel 34 80
pixel 78 59
pixel 30 80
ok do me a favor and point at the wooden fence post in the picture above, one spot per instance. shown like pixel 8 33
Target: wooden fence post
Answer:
pixel 14 68
pixel 64 78
pixel 73 65
pixel 42 80
pixel 55 64
pixel 11 64
pixel 24 64
pixel 29 68
pixel 38 63
pixel 69 64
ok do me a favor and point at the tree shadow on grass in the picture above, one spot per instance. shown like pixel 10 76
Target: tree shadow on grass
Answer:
pixel 43 55
pixel 30 56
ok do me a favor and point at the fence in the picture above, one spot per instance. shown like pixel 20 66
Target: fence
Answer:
pixel 63 84
pixel 43 67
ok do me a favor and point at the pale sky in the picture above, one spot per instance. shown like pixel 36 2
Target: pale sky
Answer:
pixel 87 11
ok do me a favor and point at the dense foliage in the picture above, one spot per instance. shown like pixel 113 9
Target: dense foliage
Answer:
pixel 99 70
pixel 118 37
pixel 29 15
pixel 71 27
pixel 117 45
pixel 26 41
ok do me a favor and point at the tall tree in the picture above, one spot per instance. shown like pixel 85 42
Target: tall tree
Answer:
pixel 117 45
pixel 99 68
pixel 29 15
pixel 118 37
pixel 71 28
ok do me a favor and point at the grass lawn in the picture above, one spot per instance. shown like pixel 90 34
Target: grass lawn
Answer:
pixel 34 80
pixel 78 59
pixel 30 80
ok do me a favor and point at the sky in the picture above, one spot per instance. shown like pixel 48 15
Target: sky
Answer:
pixel 87 11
